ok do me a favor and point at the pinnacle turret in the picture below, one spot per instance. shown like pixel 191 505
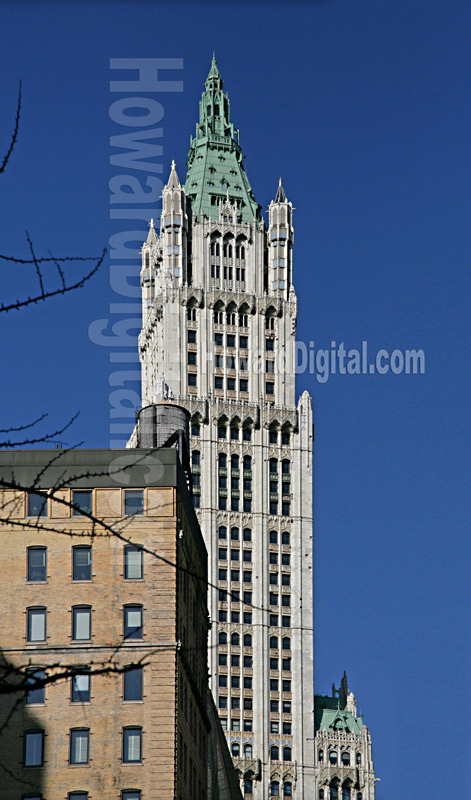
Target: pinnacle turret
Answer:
pixel 173 181
pixel 151 236
pixel 280 195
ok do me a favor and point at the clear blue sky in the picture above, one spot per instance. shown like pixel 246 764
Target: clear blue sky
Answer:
pixel 364 108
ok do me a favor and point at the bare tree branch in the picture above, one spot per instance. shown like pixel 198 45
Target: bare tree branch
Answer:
pixel 15 133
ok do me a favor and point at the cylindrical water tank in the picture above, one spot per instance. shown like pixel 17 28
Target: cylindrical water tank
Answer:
pixel 156 424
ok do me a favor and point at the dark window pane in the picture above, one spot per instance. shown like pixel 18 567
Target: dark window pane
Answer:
pixel 80 687
pixel 132 684
pixel 82 563
pixel 132 795
pixel 34 748
pixel 132 745
pixel 83 500
pixel 37 564
pixel 133 622
pixel 133 562
pixel 133 502
pixel 79 746
pixel 35 694
pixel 77 796
pixel 37 504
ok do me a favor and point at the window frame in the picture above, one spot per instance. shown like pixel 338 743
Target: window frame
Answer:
pixel 128 671
pixel 29 551
pixel 75 511
pixel 75 610
pixel 126 608
pixel 84 548
pixel 127 493
pixel 136 548
pixel 72 735
pixel 76 672
pixel 127 729
pixel 31 732
pixel 29 613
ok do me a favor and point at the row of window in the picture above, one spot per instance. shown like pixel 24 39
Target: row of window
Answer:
pixel 36 623
pixel 227 248
pixel 227 273
pixel 247 705
pixel 234 434
pixel 334 758
pixel 333 794
pixel 275 789
pixel 80 685
pixel 82 502
pixel 231 384
pixel 126 794
pixel 36 563
pixel 247 533
pixel 79 746
pixel 231 338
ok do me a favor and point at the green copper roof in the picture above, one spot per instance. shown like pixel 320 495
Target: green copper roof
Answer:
pixel 329 713
pixel 215 167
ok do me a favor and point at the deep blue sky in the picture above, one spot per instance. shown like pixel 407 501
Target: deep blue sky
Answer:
pixel 364 108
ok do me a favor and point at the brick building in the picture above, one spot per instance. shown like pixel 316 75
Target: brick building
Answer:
pixel 92 586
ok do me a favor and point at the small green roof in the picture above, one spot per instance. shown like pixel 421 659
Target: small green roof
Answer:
pixel 215 159
pixel 331 713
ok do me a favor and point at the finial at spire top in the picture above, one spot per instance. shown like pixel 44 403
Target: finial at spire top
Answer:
pixel 280 195
pixel 214 73
pixel 173 181
pixel 174 165
pixel 151 224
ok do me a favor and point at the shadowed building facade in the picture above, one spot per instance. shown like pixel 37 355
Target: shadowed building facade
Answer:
pixel 106 585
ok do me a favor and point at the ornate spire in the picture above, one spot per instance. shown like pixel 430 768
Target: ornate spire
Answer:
pixel 173 181
pixel 280 195
pixel 215 160
pixel 151 236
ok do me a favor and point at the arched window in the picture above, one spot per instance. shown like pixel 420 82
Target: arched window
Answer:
pixel 273 642
pixel 333 758
pixel 147 259
pixel 248 751
pixel 287 789
pixel 222 637
pixel 195 428
pixel 345 758
pixel 270 323
pixel 274 789
pixel 321 794
pixel 222 461
pixel 243 320
pixel 235 639
pixel 286 643
pixel 247 463
pixel 247 640
pixel 234 457
pixel 286 753
pixel 346 793
pixel 222 529
pixel 191 314
pixel 334 793
pixel 273 465
pixel 320 756
pixel 235 534
pixel 235 749
pixel 248 786
pixel 285 538
pixel 285 466
pixel 273 537
pixel 358 758
pixel 195 458
pixel 285 437
pixel 274 752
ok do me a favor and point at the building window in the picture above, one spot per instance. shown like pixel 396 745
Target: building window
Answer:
pixel 223 532
pixel 286 643
pixel 285 621
pixel 80 686
pixel 248 786
pixel 286 707
pixel 286 753
pixel 192 358
pixel 82 502
pixel 333 758
pixel 37 564
pixel 132 683
pixel 222 702
pixel 132 622
pixel 81 623
pixel 270 388
pixel 231 384
pixel 231 340
pixel 133 563
pixel 285 559
pixel 285 600
pixel 191 379
pixel 273 558
pixel 77 796
pixel 36 624
pixel 346 794
pixel 33 748
pixel 287 789
pixel 273 643
pixel 195 429
pixel 37 504
pixel 36 693
pixel 285 438
pixel 219 384
pixel 133 502
pixel 131 794
pixel 79 746
pixel 81 563
pixel 358 759
pixel 285 538
pixel 334 793
pixel 345 758
pixel 320 756
pixel 274 727
pixel 274 752
pixel 191 337
pixel 132 745
pixel 274 706
pixel 247 576
pixel 287 728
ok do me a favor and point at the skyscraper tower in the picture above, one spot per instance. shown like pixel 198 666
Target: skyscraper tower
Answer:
pixel 218 336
